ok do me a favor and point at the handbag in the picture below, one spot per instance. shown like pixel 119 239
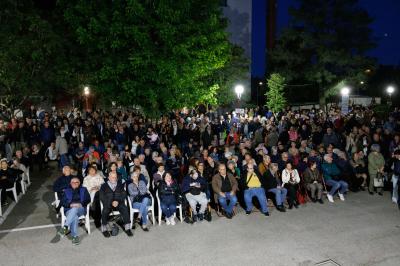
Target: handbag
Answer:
pixel 301 199
pixel 378 180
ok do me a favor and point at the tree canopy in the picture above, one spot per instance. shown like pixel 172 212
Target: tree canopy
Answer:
pixel 160 55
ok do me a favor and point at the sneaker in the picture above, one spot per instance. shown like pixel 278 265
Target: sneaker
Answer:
pixel 194 217
pixel 201 217
pixel 394 200
pixel 75 240
pixel 296 205
pixel 330 198
pixel 229 215
pixel 172 220
pixel 266 213
pixel 281 208
pixel 248 212
pixel 167 221
pixel 62 231
pixel 341 196
pixel 129 232
pixel 321 201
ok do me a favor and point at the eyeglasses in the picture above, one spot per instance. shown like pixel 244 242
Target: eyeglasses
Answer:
pixel 75 182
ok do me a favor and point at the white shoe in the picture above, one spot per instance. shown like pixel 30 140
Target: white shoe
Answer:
pixel 172 220
pixel 330 198
pixel 167 221
pixel 394 200
pixel 341 196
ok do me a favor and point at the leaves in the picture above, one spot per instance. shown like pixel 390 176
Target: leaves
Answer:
pixel 276 100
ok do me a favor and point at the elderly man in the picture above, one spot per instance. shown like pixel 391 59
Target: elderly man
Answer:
pixel 332 177
pixel 74 201
pixel 225 186
pixel 254 186
pixel 112 195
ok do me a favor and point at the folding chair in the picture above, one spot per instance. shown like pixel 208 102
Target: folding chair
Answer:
pixel 86 218
pixel 178 207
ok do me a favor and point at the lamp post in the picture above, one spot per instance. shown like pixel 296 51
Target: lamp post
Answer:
pixel 345 91
pixel 390 90
pixel 86 92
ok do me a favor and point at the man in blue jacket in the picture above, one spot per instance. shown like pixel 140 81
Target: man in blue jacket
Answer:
pixel 74 201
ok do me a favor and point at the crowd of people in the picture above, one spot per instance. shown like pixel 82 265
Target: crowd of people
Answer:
pixel 111 160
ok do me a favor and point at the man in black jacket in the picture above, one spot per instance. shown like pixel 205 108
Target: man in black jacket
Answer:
pixel 8 176
pixel 113 195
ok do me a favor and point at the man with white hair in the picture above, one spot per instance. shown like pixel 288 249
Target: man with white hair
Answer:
pixel 332 177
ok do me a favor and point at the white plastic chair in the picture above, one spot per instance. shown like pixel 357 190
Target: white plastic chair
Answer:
pixel 132 211
pixel 28 176
pixel 56 202
pixel 23 184
pixel 178 207
pixel 83 217
pixel 13 189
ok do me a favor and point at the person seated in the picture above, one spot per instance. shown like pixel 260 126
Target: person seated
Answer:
pixel 376 169
pixel 291 180
pixel 194 187
pixel 140 198
pixel 332 177
pixel 253 185
pixel 93 181
pixel 360 170
pixel 312 181
pixel 74 200
pixel 8 176
pixel 63 181
pixel 121 171
pixel 158 176
pixel 274 185
pixel 225 186
pixel 112 194
pixel 168 192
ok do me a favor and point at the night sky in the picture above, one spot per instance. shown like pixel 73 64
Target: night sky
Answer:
pixel 385 26
pixel 385 30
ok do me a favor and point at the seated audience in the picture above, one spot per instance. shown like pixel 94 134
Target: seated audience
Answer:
pixel 74 200
pixel 225 186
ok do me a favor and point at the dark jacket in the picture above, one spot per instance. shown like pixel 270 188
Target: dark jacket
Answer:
pixel 186 188
pixel 11 174
pixel 165 191
pixel 61 183
pixel 270 180
pixel 107 196
pixel 66 200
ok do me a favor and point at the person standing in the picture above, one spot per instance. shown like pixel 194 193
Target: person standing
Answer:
pixel 376 165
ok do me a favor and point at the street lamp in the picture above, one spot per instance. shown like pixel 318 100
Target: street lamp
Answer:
pixel 239 89
pixel 86 92
pixel 345 91
pixel 390 90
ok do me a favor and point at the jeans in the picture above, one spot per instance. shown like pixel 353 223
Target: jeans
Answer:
pixel 224 202
pixel 259 193
pixel 72 221
pixel 143 208
pixel 168 206
pixel 337 185
pixel 280 195
pixel 395 195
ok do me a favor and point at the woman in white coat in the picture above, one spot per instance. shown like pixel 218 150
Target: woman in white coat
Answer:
pixel 291 180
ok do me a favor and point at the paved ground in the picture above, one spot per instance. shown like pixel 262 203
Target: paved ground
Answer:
pixel 364 230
